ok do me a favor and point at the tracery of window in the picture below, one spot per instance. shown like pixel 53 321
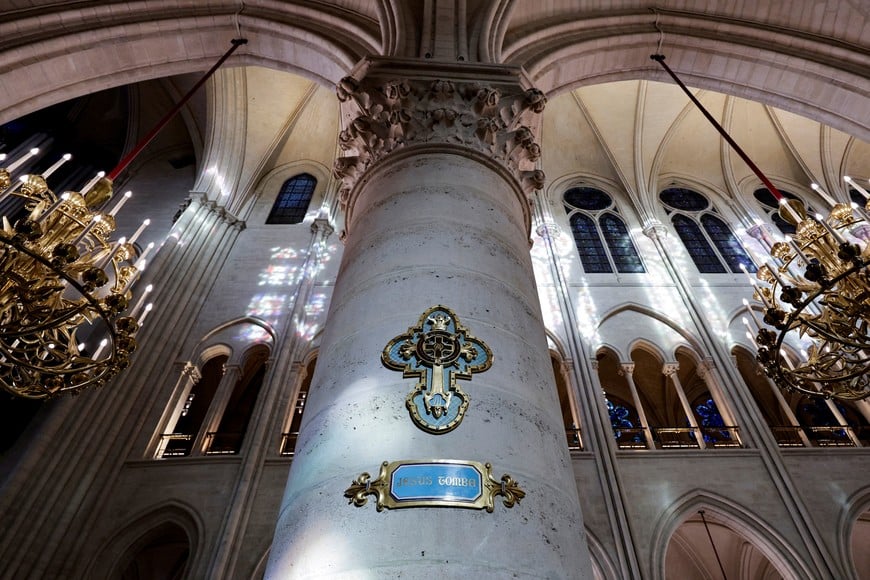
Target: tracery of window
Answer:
pixel 292 201
pixel 711 244
pixel 600 234
pixel 770 206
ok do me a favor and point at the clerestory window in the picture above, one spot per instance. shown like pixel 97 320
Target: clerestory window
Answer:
pixel 292 202
pixel 600 235
pixel 711 244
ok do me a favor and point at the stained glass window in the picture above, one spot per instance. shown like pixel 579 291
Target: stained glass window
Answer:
pixel 709 417
pixel 600 235
pixel 709 241
pixel 293 199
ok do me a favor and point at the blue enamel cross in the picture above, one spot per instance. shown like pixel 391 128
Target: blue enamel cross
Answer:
pixel 438 351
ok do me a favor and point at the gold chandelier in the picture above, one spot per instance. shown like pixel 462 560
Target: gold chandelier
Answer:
pixel 62 279
pixel 817 286
pixel 59 275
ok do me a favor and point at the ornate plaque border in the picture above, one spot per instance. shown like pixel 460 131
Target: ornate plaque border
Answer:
pixel 380 487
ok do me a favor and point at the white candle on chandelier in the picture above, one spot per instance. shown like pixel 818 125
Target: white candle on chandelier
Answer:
pixel 56 166
pixel 790 210
pixel 752 314
pixel 789 240
pixel 97 218
pixel 2 157
pixel 145 313
pixel 824 195
pixel 100 348
pixel 63 197
pixel 141 302
pixel 20 161
pixel 746 272
pixel 752 339
pixel 141 229
pixel 861 213
pixel 148 248
pixel 860 189
pixel 111 255
pixel 772 267
pixel 836 235
pixel 93 182
pixel 121 203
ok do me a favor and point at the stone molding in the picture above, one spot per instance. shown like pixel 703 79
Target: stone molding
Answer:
pixel 383 115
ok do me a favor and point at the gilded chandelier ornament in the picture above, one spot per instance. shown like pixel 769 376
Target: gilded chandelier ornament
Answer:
pixel 819 288
pixel 60 273
pixel 818 285
pixel 62 279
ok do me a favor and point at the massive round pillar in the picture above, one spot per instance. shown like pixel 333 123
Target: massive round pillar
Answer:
pixel 436 216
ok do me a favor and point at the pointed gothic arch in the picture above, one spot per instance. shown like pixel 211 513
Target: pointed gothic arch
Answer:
pixel 175 521
pixel 741 520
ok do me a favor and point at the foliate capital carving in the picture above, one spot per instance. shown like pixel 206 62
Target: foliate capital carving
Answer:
pixel 191 372
pixel 626 369
pixel 670 369
pixel 381 116
pixel 655 230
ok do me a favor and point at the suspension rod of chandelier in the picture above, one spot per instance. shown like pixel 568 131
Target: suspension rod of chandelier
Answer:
pixel 123 163
pixel 660 58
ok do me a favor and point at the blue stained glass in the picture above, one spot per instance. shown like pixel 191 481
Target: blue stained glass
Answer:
pixel 727 243
pixel 619 243
pixel 710 417
pixel 587 198
pixel 589 245
pixel 684 199
pixel 697 245
pixel 292 202
pixel 619 417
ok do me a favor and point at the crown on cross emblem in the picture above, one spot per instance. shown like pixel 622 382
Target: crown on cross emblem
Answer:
pixel 439 321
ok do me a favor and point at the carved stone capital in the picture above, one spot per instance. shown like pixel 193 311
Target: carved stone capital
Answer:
pixel 548 230
pixel 705 367
pixel 321 226
pixel 626 369
pixel 655 230
pixel 382 114
pixel 191 372
pixel 670 369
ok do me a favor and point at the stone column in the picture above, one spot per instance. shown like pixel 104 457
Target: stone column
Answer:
pixel 436 176
pixel 210 423
pixel 626 369
pixel 670 370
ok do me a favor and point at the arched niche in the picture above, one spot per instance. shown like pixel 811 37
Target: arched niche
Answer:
pixel 748 547
pixel 160 543
pixel 693 553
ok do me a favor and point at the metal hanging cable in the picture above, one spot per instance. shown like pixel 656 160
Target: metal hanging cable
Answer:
pixel 715 551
